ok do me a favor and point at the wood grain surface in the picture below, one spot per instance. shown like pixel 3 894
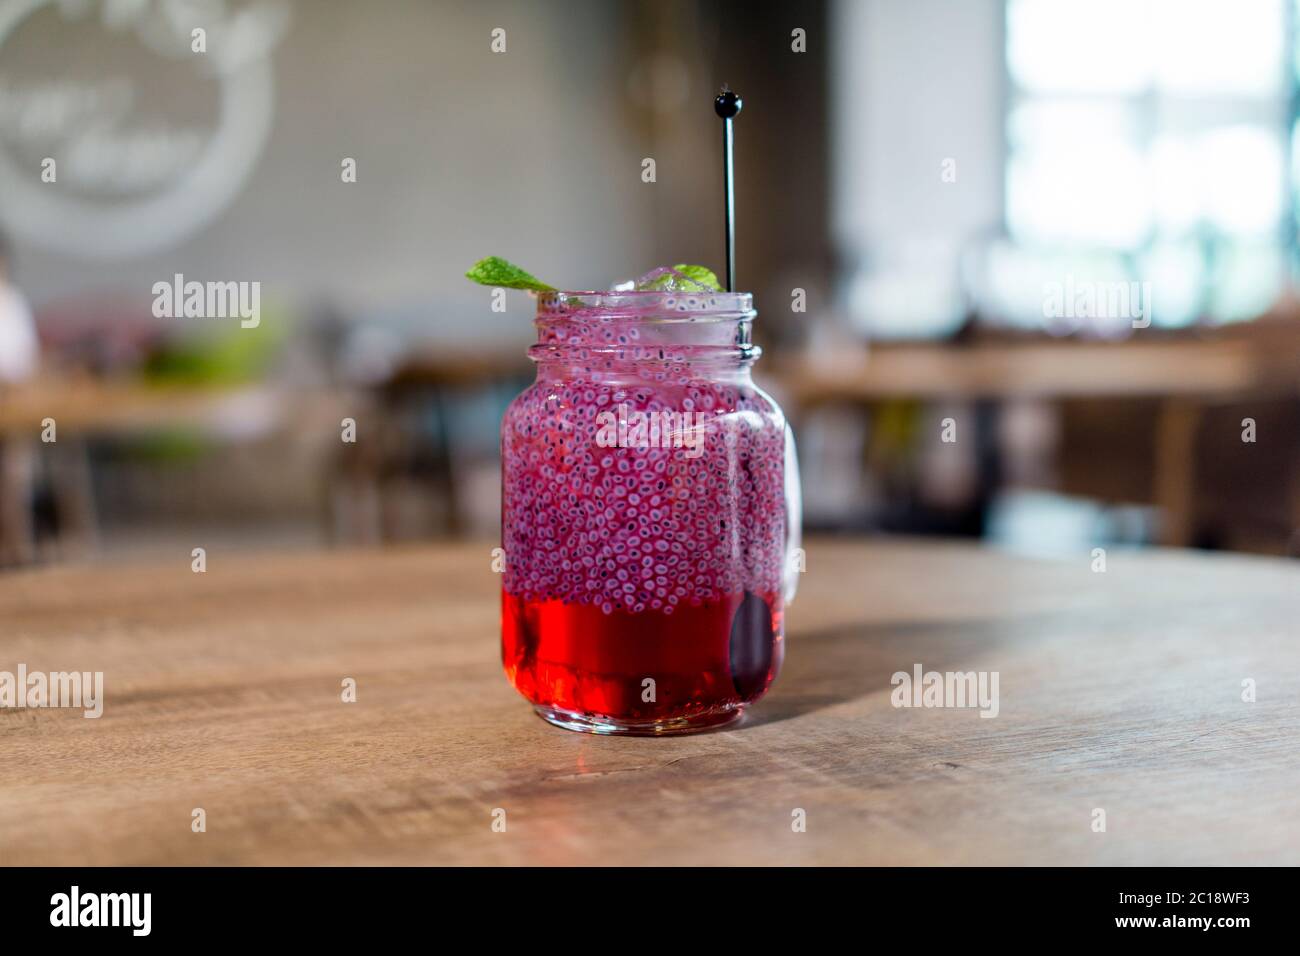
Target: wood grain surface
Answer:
pixel 1036 369
pixel 1119 690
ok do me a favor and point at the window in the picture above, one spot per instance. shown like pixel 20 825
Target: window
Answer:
pixel 1148 140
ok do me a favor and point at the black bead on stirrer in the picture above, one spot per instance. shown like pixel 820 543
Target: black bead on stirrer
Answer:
pixel 727 105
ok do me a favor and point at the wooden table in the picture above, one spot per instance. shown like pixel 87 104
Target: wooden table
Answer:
pixel 90 406
pixel 79 408
pixel 82 408
pixel 1051 369
pixel 1119 690
pixel 1185 375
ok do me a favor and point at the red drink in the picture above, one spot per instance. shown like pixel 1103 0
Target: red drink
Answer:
pixel 644 515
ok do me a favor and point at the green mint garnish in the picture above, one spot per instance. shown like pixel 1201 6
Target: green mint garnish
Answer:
pixel 703 276
pixel 495 271
pixel 682 278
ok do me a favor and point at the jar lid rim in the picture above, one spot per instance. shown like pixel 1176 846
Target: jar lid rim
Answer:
pixel 647 306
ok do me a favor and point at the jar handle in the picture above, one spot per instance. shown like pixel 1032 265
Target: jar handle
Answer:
pixel 794 553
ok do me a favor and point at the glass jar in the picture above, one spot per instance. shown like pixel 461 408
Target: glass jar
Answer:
pixel 649 511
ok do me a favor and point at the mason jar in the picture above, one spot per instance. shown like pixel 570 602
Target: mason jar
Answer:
pixel 650 509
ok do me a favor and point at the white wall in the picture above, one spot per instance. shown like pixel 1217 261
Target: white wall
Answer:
pixel 916 82
pixel 461 153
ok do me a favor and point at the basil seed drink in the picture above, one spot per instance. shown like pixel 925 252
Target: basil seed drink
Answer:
pixel 649 501
pixel 644 515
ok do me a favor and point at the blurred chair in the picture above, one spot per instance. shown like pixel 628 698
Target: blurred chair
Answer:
pixel 431 433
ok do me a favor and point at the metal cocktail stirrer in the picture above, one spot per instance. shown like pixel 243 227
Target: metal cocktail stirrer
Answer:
pixel 727 105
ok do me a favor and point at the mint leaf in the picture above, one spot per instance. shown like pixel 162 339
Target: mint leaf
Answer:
pixel 700 275
pixel 679 279
pixel 495 271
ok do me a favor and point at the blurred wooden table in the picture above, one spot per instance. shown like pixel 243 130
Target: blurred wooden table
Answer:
pixel 1120 690
pixel 1052 369
pixel 1185 375
pixel 89 406
pixel 83 408
pixel 77 408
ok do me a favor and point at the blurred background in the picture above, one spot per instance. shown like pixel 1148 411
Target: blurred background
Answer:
pixel 1069 226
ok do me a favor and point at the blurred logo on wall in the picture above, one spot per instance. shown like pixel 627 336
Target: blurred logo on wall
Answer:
pixel 128 125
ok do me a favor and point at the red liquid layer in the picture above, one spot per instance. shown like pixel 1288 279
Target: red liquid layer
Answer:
pixel 704 659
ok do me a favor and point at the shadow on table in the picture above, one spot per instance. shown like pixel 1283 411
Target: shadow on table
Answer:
pixel 836 665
